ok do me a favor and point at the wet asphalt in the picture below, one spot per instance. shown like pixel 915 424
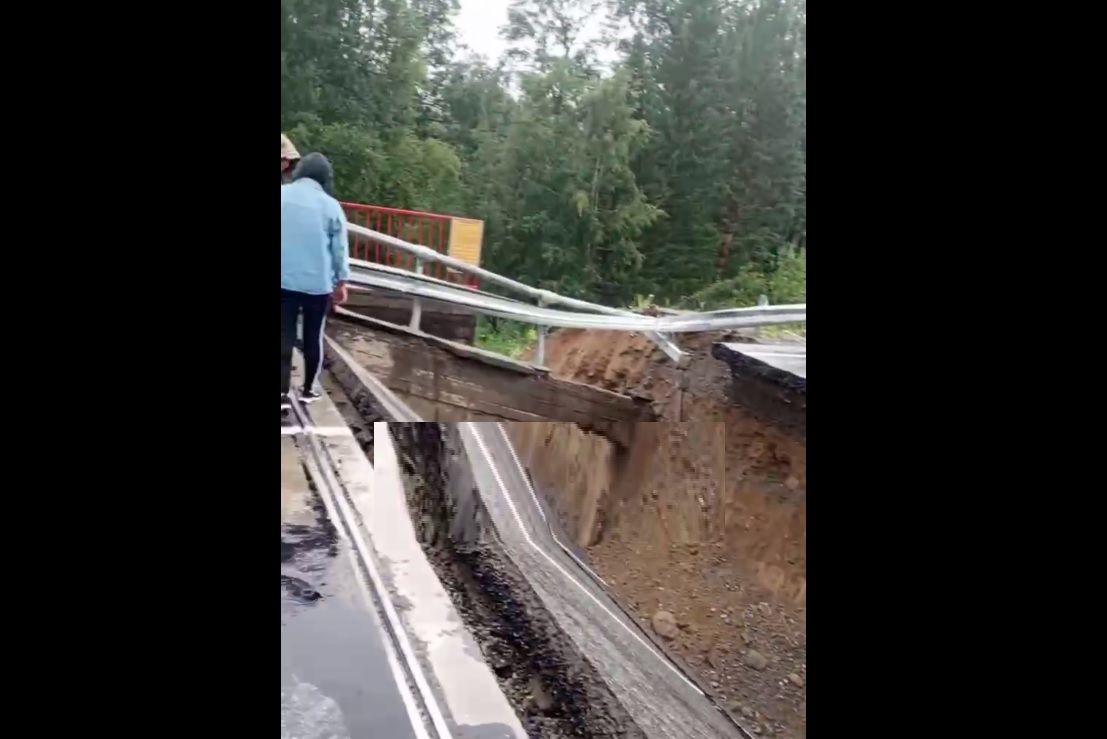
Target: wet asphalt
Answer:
pixel 336 682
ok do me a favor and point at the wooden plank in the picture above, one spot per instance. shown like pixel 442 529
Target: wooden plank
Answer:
pixel 460 383
pixel 400 336
pixel 510 400
pixel 411 350
pixel 537 396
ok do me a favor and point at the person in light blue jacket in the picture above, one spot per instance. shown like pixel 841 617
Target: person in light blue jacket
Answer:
pixel 315 264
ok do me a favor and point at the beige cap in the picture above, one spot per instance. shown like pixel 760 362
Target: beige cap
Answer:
pixel 288 151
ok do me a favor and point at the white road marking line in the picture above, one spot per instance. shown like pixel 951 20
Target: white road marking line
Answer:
pixel 413 713
pixel 541 512
pixel 557 565
pixel 316 430
pixel 430 701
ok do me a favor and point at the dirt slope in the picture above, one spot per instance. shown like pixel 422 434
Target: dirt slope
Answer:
pixel 703 516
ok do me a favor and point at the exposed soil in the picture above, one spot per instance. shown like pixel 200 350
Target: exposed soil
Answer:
pixel 703 516
pixel 554 689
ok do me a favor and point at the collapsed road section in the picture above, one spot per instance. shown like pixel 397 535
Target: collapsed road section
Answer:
pixel 701 518
pixel 571 660
pixel 370 643
pixel 769 380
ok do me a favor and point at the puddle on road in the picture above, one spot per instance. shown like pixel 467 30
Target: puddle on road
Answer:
pixel 335 679
pixel 307 555
pixel 308 714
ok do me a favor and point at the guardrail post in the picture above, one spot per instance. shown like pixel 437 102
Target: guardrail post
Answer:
pixel 762 301
pixel 540 355
pixel 416 303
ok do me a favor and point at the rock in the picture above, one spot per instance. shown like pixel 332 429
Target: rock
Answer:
pixel 765 608
pixel 756 728
pixel 542 698
pixel 715 658
pixel 756 660
pixel 796 680
pixel 792 483
pixel 664 625
pixel 748 712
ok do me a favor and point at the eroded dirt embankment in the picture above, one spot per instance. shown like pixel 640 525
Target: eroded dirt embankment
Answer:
pixel 555 690
pixel 703 518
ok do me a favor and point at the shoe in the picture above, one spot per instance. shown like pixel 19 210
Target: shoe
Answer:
pixel 309 396
pixel 286 402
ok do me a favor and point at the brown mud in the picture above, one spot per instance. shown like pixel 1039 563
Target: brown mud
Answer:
pixel 702 517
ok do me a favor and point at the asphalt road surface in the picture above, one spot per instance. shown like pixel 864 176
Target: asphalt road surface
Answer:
pixel 336 681
pixel 663 702
pixel 791 358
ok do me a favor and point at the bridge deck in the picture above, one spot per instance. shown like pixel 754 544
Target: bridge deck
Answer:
pixel 335 675
pixel 790 358
pixel 371 645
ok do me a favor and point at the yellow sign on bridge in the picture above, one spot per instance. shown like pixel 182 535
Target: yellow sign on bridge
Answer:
pixel 466 235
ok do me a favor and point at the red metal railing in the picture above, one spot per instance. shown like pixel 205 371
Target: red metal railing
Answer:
pixel 426 229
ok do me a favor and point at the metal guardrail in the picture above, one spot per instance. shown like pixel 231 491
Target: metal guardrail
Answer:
pixel 538 315
pixel 420 287
pixel 543 297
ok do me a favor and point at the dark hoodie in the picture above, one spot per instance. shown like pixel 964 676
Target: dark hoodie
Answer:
pixel 317 167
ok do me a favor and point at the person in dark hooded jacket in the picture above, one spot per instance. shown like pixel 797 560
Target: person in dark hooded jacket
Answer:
pixel 315 265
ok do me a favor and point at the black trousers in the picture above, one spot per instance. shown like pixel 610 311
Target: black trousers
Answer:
pixel 314 308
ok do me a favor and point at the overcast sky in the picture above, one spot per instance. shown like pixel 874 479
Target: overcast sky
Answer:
pixel 478 24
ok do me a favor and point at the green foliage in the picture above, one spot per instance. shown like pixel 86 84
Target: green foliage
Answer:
pixel 724 86
pixel 783 332
pixel 786 284
pixel 679 172
pixel 569 211
pixel 506 337
pixel 354 151
pixel 543 32
pixel 742 290
pixel 402 171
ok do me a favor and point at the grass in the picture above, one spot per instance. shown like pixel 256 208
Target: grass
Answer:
pixel 515 339
pixel 784 331
pixel 510 338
